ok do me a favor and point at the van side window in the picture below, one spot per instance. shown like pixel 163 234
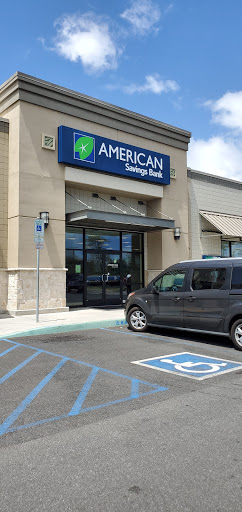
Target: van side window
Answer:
pixel 171 281
pixel 236 278
pixel 208 279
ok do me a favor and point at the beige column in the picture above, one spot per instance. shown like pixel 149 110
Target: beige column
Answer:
pixel 36 183
pixel 163 250
pixel 4 129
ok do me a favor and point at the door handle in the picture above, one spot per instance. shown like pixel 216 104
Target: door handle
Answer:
pixel 175 299
pixel 191 298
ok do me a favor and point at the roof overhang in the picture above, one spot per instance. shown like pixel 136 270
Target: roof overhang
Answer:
pixel 29 89
pixel 228 225
pixel 107 220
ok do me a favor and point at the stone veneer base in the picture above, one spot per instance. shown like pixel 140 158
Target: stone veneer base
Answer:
pixel 18 290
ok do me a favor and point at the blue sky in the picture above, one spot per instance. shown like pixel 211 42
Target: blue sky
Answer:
pixel 178 62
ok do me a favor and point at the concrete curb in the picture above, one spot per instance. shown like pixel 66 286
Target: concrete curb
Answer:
pixel 65 328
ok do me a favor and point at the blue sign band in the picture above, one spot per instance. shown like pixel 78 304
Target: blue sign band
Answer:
pixel 81 149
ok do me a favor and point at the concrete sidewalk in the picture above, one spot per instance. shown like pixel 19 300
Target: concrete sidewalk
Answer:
pixel 73 320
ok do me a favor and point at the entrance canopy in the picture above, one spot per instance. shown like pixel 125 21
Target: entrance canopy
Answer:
pixel 121 222
pixel 229 225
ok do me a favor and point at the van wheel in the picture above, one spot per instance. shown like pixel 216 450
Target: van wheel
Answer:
pixel 137 320
pixel 236 334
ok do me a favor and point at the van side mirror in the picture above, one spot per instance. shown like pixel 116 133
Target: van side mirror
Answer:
pixel 155 289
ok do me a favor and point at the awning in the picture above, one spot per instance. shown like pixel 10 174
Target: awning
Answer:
pixel 117 221
pixel 229 225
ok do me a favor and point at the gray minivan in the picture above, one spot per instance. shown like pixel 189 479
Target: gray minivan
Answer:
pixel 198 295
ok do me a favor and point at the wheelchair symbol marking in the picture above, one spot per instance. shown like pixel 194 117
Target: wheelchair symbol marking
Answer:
pixel 190 365
pixel 184 367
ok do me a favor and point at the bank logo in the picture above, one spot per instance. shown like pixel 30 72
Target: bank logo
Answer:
pixel 84 148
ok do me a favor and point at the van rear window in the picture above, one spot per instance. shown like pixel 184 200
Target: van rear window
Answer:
pixel 236 278
pixel 208 279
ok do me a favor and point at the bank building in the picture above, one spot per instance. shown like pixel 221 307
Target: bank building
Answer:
pixel 114 192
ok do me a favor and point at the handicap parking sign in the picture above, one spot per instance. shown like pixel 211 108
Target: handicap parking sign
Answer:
pixel 190 365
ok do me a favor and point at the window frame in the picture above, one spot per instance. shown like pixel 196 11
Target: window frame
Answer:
pixel 174 272
pixel 207 270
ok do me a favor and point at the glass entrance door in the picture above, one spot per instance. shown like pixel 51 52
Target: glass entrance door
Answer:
pixel 102 278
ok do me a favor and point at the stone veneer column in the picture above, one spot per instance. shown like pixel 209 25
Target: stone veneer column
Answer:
pixel 22 291
pixel 4 144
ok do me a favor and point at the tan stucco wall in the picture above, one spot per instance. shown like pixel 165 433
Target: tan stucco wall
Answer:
pixel 3 290
pixel 163 250
pixel 3 213
pixel 42 183
pixel 213 194
pixel 37 183
pixel 3 193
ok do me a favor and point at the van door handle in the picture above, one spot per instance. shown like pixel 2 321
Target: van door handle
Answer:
pixel 175 299
pixel 191 298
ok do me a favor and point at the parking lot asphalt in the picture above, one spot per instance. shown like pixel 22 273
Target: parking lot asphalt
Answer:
pixel 65 395
pixel 48 382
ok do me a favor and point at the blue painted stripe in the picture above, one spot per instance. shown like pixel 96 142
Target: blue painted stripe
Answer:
pixel 83 363
pixel 87 409
pixel 8 350
pixel 134 388
pixel 80 399
pixel 52 353
pixel 14 415
pixel 17 368
pixel 37 423
pixel 122 400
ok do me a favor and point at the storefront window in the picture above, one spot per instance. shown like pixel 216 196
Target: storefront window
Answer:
pixel 102 240
pixel 236 249
pixel 132 264
pixel 225 250
pixel 74 265
pixel 74 238
pixel 231 249
pixel 100 269
pixel 131 242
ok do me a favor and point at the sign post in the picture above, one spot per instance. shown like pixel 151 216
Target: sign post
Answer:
pixel 39 244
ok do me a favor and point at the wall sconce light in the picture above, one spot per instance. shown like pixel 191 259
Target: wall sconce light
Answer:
pixel 45 217
pixel 177 233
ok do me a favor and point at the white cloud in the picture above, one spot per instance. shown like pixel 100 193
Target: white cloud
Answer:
pixel 153 84
pixel 86 39
pixel 216 156
pixel 227 110
pixel 142 15
pixel 221 155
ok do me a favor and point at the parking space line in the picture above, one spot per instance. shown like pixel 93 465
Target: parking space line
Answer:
pixel 21 365
pixel 14 415
pixel 8 350
pixel 179 342
pixel 7 425
pixel 80 399
pixel 134 388
pixel 155 389
pixel 36 423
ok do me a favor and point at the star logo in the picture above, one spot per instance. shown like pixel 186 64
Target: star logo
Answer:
pixel 84 148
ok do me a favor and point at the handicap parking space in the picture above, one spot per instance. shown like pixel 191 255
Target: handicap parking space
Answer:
pixel 38 387
pixel 197 357
pixel 61 380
